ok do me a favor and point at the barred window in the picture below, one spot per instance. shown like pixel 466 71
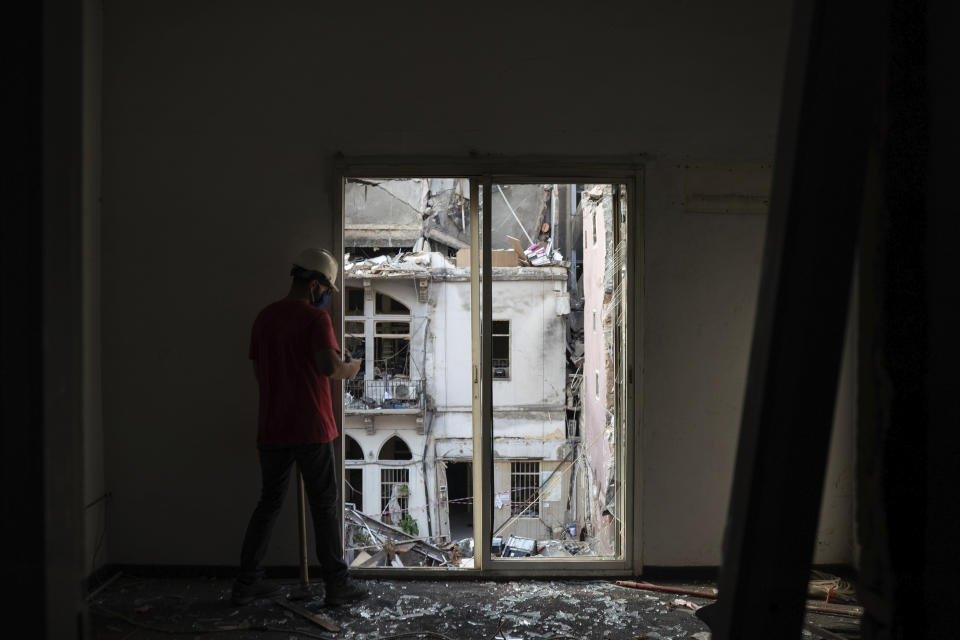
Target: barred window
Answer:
pixel 525 489
pixel 394 494
pixel 500 349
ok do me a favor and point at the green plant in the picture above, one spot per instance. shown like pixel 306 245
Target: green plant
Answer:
pixel 360 537
pixel 409 524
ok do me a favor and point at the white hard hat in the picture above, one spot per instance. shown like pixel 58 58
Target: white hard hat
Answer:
pixel 320 261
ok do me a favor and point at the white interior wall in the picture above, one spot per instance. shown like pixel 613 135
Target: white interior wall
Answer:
pixel 702 275
pixel 221 121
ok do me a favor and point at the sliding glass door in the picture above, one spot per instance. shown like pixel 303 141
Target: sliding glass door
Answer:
pixel 487 429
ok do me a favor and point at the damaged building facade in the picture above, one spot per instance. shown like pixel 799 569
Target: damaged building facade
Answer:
pixel 408 421
pixel 603 317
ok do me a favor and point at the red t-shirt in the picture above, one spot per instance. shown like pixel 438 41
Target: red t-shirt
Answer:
pixel 294 396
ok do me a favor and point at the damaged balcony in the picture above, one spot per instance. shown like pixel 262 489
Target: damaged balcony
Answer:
pixel 402 396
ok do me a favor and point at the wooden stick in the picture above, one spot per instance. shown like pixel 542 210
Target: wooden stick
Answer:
pixel 654 587
pixel 852 611
pixel 316 619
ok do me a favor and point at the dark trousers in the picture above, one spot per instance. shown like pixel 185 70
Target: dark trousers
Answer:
pixel 320 482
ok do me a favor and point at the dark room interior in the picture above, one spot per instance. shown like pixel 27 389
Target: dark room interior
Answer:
pixel 777 385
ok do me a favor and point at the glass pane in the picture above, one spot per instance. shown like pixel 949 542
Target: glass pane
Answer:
pixel 408 257
pixel 556 263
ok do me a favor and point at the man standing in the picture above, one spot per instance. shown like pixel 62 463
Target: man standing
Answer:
pixel 294 353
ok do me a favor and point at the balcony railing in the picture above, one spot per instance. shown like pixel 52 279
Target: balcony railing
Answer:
pixel 396 393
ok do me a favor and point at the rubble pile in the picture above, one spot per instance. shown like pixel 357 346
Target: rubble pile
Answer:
pixel 399 264
pixel 372 543
pixel 385 265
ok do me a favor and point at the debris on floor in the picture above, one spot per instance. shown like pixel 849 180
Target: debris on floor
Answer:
pixel 829 587
pixel 460 609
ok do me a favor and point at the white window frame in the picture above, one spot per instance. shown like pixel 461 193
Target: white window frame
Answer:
pixel 484 173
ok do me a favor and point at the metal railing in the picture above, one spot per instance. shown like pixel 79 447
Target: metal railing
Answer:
pixel 396 393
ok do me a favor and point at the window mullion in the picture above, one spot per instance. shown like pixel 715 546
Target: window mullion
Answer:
pixel 485 377
pixel 481 522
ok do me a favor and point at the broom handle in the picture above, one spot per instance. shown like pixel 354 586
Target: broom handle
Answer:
pixel 302 520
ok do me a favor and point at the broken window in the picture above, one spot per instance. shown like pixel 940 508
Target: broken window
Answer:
pixel 354 339
pixel 394 482
pixel 549 444
pixel 525 489
pixel 500 349
pixel 394 494
pixel 353 301
pixel 389 306
pixel 562 407
pixel 353 475
pixel 355 344
pixel 384 382
pixel 353 485
pixel 391 351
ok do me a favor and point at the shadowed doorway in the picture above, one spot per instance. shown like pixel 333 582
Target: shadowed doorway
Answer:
pixel 459 481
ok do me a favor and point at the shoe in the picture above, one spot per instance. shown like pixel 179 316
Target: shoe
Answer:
pixel 244 592
pixel 707 613
pixel 344 592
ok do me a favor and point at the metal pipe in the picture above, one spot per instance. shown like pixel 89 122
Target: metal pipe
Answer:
pixel 428 427
pixel 463 220
pixel 515 217
pixel 554 204
pixel 654 587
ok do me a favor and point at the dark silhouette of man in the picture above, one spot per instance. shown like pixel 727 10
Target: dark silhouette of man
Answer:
pixel 295 352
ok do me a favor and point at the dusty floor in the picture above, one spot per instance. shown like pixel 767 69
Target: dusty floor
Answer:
pixel 132 608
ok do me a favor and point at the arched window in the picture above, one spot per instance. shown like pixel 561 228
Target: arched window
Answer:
pixel 390 306
pixel 395 449
pixel 353 476
pixel 353 449
pixel 394 482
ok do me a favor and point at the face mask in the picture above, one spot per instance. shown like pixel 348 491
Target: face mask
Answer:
pixel 322 300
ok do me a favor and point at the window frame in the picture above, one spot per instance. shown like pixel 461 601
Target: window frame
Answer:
pixel 483 172
pixel 403 501
pixel 519 494
pixel 509 358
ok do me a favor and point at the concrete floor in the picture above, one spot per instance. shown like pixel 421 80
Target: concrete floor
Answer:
pixel 132 608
